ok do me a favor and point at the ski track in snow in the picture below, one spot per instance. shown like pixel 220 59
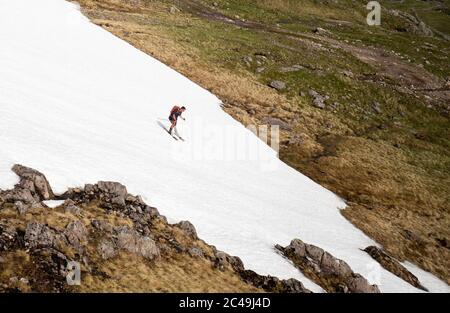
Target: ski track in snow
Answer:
pixel 81 105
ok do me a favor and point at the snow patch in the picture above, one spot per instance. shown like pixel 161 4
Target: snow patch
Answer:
pixel 53 203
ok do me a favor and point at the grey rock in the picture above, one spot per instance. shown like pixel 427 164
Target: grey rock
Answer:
pixel 359 284
pixel 135 200
pixel 90 189
pixel 76 234
pixel 151 210
pixel 188 228
pixel 273 284
pixel 70 207
pixel 394 266
pixel 131 241
pixel 278 85
pixel 318 99
pixel 18 194
pixel 292 285
pixel 52 267
pixel 195 252
pixel 102 226
pixel 120 201
pixel 299 247
pixel 248 60
pixel 106 249
pixel 260 69
pixel 114 192
pixel 223 260
pixel 290 69
pixel 333 274
pixel 8 236
pixel 34 181
pixel 37 235
pixel 314 252
pixel 21 207
pixel 113 188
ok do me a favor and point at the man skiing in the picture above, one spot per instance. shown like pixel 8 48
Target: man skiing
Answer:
pixel 174 114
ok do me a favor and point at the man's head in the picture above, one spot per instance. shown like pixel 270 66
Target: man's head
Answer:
pixel 183 109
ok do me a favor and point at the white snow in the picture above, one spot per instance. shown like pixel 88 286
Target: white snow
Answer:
pixel 81 105
pixel 428 280
pixel 53 203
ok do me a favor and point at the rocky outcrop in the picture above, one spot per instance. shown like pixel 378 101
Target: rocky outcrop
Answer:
pixel 34 181
pixel 69 232
pixel 393 266
pixel 332 274
pixel 113 192
pixel 32 188
pixel 413 23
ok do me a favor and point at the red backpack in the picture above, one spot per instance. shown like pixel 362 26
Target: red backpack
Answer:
pixel 175 109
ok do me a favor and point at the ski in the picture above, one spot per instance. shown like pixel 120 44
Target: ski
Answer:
pixel 172 135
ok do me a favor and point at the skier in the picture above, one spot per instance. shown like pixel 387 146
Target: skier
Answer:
pixel 174 114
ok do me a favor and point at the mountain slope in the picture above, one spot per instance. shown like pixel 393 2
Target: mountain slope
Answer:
pixel 81 105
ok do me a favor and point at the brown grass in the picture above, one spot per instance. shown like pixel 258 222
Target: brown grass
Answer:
pixel 181 273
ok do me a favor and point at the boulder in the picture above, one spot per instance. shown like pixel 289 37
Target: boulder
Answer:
pixel 39 235
pixel 70 207
pixel 188 228
pixel 102 225
pixel 128 239
pixel 224 260
pixel 278 85
pixel 113 192
pixel 76 234
pixel 112 188
pixel 34 181
pixel 18 194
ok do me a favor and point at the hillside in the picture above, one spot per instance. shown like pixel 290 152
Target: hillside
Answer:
pixel 82 105
pixel 364 111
